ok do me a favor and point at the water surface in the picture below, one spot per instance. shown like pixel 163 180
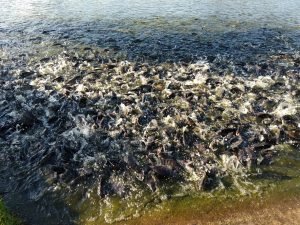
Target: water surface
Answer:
pixel 157 30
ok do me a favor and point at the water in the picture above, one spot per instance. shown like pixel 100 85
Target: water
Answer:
pixel 157 30
pixel 45 44
pixel 273 14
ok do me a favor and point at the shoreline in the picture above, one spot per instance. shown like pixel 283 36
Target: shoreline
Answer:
pixel 275 211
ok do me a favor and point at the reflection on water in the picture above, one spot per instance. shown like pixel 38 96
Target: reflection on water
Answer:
pixel 263 12
pixel 156 30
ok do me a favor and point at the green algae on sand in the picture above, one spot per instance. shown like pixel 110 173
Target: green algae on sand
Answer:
pixel 6 218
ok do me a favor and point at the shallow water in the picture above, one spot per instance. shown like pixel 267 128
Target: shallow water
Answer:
pixel 63 39
pixel 157 30
pixel 265 12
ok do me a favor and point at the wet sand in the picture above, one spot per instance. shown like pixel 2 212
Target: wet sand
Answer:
pixel 272 212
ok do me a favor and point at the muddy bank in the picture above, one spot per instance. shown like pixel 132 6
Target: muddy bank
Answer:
pixel 283 212
pixel 279 206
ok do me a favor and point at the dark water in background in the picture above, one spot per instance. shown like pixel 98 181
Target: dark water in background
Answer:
pixel 236 31
pixel 157 30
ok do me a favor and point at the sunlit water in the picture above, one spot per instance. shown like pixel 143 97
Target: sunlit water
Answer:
pixel 157 30
pixel 234 32
pixel 264 13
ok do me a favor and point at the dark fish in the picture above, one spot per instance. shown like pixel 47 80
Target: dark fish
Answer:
pixel 162 171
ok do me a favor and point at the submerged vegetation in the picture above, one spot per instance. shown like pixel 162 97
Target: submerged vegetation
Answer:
pixel 5 216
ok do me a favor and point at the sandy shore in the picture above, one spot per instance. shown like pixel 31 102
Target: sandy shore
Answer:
pixel 275 211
